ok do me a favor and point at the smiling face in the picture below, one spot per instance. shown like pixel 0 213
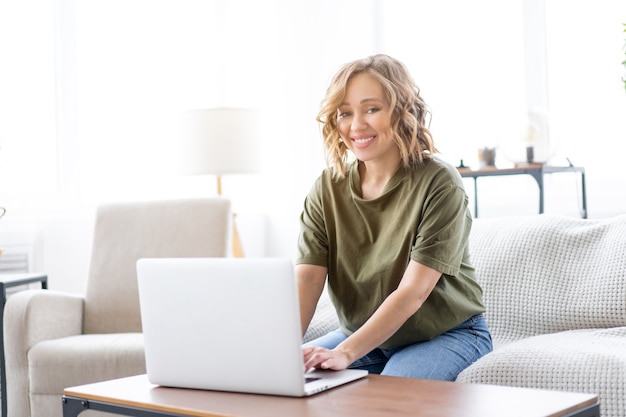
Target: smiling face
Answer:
pixel 364 121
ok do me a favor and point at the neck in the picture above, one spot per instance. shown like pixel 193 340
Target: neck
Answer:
pixel 374 178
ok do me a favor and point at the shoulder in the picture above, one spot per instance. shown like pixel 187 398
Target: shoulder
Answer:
pixel 437 181
pixel 326 189
pixel 326 181
pixel 437 170
pixel 441 167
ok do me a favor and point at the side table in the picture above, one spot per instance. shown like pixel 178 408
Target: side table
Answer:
pixel 8 281
pixel 537 171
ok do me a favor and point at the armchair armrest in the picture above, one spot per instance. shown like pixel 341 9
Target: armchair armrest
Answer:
pixel 34 315
pixel 30 317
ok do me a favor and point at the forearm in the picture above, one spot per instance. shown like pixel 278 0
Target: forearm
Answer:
pixel 387 319
pixel 415 287
pixel 311 280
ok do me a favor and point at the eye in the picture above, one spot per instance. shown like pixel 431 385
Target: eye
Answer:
pixel 342 114
pixel 373 110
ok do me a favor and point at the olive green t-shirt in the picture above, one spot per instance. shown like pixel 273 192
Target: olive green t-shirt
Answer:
pixel 366 245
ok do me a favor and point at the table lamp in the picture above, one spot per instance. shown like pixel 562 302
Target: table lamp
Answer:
pixel 220 141
pixel 535 145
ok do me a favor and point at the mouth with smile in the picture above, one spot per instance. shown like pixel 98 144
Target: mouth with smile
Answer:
pixel 361 141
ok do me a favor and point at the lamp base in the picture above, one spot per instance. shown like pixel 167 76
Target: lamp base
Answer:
pixel 236 242
pixel 237 248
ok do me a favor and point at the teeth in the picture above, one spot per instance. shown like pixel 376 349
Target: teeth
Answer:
pixel 364 139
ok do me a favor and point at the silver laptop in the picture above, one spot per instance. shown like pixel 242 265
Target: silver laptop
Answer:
pixel 227 324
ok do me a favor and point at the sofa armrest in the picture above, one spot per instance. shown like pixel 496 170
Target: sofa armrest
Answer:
pixel 30 317
pixel 587 360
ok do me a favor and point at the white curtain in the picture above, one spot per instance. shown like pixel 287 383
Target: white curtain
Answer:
pixel 27 99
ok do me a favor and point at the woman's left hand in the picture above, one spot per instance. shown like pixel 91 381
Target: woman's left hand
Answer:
pixel 322 358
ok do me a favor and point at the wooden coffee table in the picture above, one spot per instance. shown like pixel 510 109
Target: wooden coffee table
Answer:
pixel 372 396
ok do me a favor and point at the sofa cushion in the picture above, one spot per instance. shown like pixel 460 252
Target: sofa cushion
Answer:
pixel 549 273
pixel 589 361
pixel 60 363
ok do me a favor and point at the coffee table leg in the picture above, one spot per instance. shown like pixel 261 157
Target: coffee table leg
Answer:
pixel 590 411
pixel 72 407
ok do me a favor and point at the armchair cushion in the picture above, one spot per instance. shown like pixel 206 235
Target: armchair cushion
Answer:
pixel 59 363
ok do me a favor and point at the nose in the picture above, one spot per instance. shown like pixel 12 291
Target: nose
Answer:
pixel 359 121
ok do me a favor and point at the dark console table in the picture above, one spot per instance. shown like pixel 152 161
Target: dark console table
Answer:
pixel 537 171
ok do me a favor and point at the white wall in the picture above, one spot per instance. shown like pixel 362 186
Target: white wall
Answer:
pixel 129 67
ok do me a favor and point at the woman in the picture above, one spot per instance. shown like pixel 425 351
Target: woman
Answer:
pixel 389 230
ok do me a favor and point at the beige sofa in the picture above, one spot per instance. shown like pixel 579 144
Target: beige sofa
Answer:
pixel 555 291
pixel 55 340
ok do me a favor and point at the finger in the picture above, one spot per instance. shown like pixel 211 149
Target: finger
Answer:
pixel 307 354
pixel 307 349
pixel 312 361
pixel 316 359
pixel 328 363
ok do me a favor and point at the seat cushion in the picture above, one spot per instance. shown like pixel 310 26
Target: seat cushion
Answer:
pixel 589 361
pixel 60 363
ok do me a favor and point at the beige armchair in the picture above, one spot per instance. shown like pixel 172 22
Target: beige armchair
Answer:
pixel 55 340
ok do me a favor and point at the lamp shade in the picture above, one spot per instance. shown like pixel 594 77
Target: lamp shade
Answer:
pixel 219 141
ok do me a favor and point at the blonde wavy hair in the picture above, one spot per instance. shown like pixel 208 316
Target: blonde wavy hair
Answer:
pixel 408 119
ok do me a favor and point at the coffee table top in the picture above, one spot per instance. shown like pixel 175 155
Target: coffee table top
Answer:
pixel 373 395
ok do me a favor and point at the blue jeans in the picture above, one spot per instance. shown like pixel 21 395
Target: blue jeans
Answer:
pixel 442 358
